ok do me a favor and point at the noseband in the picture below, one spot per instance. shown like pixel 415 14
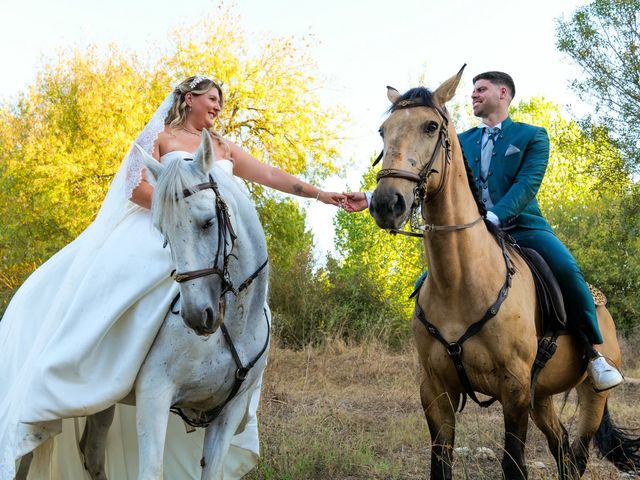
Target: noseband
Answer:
pixel 420 179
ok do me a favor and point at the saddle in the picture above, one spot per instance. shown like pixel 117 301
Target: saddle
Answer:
pixel 554 316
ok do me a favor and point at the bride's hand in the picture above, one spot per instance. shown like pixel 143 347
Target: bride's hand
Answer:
pixel 331 198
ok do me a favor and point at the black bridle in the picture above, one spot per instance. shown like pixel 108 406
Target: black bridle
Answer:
pixel 420 194
pixel 225 230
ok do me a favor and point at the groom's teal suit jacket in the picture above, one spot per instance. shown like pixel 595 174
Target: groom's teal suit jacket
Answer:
pixel 520 157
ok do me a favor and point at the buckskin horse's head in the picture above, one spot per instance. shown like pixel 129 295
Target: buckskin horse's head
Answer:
pixel 416 152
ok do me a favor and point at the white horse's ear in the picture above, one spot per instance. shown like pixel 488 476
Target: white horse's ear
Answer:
pixel 154 167
pixel 447 90
pixel 392 94
pixel 205 156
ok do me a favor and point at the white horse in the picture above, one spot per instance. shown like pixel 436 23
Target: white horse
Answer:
pixel 220 254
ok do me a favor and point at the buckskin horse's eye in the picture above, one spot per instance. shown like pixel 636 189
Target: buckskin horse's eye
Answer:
pixel 430 127
pixel 381 132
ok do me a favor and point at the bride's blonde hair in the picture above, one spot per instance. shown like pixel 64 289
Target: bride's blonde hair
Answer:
pixel 197 85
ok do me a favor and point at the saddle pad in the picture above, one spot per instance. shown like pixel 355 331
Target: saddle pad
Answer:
pixel 599 298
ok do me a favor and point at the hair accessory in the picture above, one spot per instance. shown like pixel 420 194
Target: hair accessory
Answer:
pixel 197 79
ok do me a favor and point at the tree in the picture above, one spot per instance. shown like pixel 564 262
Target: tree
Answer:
pixel 603 39
pixel 584 163
pixel 381 265
pixel 63 140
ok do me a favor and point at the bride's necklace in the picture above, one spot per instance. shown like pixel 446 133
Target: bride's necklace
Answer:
pixel 191 132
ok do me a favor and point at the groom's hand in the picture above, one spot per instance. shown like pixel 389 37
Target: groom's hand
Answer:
pixel 355 202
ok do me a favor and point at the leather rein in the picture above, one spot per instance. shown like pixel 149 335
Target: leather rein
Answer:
pixel 225 229
pixel 420 197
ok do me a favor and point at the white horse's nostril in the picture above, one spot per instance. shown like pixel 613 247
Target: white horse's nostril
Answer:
pixel 207 319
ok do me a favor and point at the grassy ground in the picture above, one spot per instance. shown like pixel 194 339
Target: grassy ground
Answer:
pixel 341 412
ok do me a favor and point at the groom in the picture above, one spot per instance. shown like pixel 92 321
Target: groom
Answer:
pixel 508 160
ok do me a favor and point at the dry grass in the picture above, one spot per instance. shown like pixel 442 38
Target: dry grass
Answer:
pixel 353 412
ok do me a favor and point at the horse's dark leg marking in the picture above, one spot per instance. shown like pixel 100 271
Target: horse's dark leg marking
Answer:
pixel 441 461
pixel 591 410
pixel 440 413
pixel 580 454
pixel 25 463
pixel 94 440
pixel 515 437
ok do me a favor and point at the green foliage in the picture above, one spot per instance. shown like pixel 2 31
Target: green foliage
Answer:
pixel 604 236
pixel 63 140
pixel 381 266
pixel 597 216
pixel 584 163
pixel 61 144
pixel 287 236
pixel 355 298
pixel 313 305
pixel 602 39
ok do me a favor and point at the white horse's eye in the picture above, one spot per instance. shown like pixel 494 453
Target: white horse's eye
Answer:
pixel 207 224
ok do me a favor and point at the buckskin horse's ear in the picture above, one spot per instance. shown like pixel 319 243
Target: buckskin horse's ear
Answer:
pixel 392 94
pixel 447 90
pixel 205 156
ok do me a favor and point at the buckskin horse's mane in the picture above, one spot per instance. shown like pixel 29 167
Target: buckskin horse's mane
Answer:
pixel 423 97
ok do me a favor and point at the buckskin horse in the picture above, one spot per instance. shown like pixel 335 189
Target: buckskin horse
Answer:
pixel 481 293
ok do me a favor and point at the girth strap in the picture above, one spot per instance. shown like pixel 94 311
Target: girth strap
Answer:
pixel 547 346
pixel 454 349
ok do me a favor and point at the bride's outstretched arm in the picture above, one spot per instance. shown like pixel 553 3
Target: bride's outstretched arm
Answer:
pixel 252 169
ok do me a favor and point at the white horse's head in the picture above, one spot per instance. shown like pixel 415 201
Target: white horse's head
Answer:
pixel 199 226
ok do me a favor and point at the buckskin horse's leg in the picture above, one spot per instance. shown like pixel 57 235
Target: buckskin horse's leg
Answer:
pixel 516 417
pixel 546 418
pixel 439 407
pixel 591 409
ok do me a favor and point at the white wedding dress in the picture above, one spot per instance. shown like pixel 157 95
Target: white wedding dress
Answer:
pixel 73 339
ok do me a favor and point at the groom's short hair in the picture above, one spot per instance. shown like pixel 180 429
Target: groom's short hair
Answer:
pixel 498 78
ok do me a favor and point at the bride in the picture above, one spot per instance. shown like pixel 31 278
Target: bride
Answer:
pixel 76 333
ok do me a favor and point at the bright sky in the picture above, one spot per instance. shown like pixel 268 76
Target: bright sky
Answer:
pixel 360 46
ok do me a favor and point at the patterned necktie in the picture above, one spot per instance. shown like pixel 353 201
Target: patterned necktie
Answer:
pixel 487 151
